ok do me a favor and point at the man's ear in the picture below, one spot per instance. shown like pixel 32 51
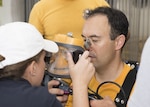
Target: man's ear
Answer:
pixel 119 42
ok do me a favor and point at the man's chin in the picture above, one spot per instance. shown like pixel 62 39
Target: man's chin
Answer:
pixel 93 61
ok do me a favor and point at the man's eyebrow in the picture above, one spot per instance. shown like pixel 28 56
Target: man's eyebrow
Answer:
pixel 91 36
pixel 82 35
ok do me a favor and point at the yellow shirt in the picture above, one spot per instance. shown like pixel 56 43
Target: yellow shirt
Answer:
pixel 108 89
pixel 53 17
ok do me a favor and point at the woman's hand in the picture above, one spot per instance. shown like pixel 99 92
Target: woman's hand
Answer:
pixel 83 70
pixel 81 74
pixel 106 102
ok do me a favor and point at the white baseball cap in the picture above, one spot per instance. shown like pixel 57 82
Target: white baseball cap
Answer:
pixel 20 41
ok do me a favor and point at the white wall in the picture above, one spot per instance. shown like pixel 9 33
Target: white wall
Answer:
pixel 12 10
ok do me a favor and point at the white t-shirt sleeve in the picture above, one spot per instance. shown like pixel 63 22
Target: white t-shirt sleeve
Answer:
pixel 141 93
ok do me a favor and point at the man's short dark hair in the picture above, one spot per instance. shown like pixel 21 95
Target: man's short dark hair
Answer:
pixel 117 19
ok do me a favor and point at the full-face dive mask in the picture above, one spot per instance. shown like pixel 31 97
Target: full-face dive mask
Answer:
pixel 57 66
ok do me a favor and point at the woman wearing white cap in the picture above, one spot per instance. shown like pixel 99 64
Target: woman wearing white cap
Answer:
pixel 22 66
pixel 22 52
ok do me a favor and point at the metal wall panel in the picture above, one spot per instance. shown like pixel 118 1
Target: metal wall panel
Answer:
pixel 138 14
pixel 28 6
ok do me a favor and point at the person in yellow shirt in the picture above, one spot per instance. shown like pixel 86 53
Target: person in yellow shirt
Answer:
pixel 105 33
pixel 53 17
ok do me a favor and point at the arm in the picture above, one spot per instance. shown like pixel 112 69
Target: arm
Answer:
pixel 35 18
pixel 81 73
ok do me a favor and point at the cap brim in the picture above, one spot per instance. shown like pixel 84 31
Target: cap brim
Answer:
pixel 50 46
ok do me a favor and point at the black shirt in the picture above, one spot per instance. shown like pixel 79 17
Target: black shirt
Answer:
pixel 20 93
